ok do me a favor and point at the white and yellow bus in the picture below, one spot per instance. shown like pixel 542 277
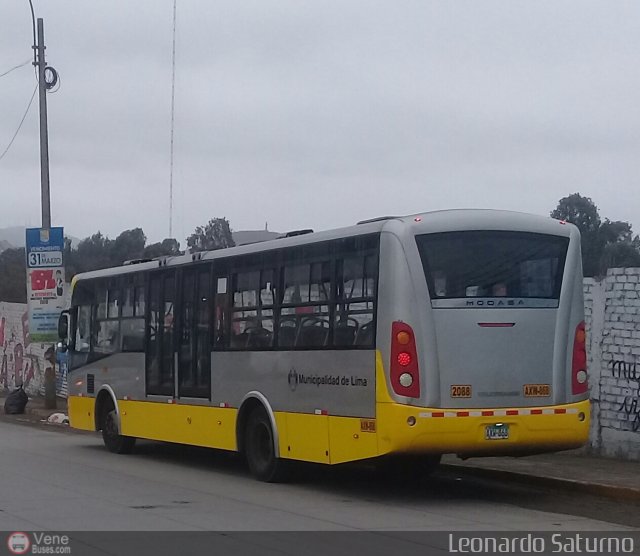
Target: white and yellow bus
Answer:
pixel 454 331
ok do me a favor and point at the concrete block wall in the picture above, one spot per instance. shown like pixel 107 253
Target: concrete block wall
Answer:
pixel 612 316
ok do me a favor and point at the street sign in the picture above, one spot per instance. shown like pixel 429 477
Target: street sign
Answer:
pixel 45 282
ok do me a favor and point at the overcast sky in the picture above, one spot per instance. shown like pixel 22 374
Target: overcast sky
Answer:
pixel 321 113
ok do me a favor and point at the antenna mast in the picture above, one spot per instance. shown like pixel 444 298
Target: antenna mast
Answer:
pixel 173 98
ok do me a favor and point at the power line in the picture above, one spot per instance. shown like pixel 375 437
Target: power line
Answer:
pixel 33 26
pixel 20 125
pixel 15 68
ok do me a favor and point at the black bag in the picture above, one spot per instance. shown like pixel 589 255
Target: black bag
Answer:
pixel 16 402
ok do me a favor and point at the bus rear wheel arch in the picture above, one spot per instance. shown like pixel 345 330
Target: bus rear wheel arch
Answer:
pixel 258 444
pixel 107 421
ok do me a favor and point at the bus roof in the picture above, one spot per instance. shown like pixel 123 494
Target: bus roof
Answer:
pixel 425 222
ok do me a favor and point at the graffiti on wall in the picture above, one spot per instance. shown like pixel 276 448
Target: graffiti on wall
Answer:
pixel 15 365
pixel 22 362
pixel 629 407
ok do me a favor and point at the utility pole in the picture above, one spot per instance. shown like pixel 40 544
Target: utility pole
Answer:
pixel 44 134
pixel 43 86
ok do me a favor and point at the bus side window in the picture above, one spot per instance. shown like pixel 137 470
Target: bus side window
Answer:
pixel 356 290
pixel 244 317
pixel 304 313
pixel 220 311
pixel 83 327
pixel 106 329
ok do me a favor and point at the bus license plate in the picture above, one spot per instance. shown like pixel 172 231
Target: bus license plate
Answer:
pixel 496 432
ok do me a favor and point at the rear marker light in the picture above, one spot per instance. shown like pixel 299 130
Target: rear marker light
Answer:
pixel 406 380
pixel 403 338
pixel 404 372
pixel 404 359
pixel 579 377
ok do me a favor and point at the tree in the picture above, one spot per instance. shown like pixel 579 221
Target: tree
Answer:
pixel 215 235
pixel 580 211
pixel 583 212
pixel 127 246
pixel 93 253
pixel 616 232
pixel 605 244
pixel 168 247
pixel 13 276
pixel 70 259
pixel 620 255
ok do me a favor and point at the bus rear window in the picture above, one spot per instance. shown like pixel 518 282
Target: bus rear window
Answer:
pixel 493 264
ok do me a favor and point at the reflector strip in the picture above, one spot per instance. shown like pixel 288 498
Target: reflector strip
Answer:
pixel 495 412
pixel 321 412
pixel 224 404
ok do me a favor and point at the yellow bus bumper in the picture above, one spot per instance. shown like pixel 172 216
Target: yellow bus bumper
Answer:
pixel 407 429
pixel 81 414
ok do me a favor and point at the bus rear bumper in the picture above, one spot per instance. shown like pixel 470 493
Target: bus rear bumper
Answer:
pixel 476 432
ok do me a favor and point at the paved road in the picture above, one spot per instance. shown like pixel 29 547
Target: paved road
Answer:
pixel 57 479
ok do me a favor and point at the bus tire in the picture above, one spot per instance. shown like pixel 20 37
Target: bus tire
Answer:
pixel 259 449
pixel 113 440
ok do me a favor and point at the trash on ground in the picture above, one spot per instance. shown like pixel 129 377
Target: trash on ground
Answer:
pixel 58 418
pixel 16 402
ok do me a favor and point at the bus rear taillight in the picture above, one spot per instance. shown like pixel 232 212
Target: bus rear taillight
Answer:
pixel 405 377
pixel 579 383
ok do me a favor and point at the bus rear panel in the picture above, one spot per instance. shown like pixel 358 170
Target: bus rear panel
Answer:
pixel 483 335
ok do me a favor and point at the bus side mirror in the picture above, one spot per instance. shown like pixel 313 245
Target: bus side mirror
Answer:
pixel 63 326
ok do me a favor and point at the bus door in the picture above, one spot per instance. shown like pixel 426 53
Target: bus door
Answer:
pixel 193 334
pixel 159 356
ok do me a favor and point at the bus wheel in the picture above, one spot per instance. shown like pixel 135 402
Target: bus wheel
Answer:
pixel 111 436
pixel 259 448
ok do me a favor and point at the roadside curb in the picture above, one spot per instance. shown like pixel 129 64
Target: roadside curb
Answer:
pixel 570 485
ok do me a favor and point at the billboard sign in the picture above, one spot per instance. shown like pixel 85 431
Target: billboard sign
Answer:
pixel 45 282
